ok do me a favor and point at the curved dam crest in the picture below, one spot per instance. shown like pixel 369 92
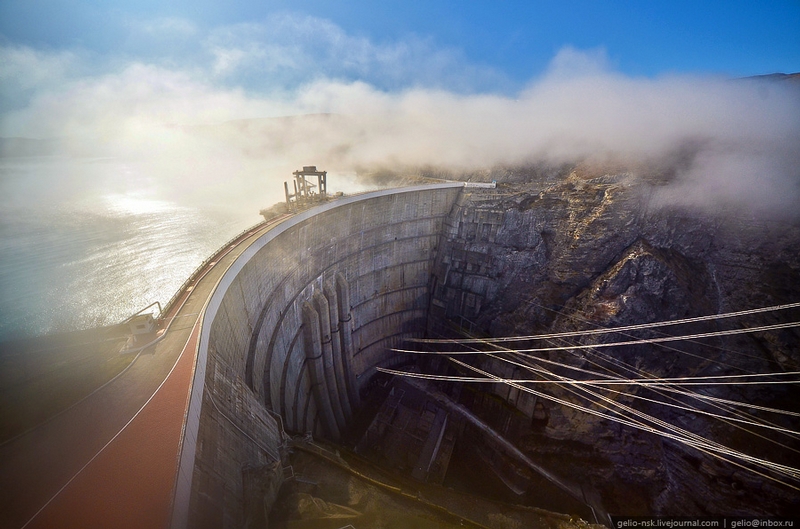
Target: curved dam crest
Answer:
pixel 269 343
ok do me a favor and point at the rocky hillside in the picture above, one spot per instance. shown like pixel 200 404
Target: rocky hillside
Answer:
pixel 582 248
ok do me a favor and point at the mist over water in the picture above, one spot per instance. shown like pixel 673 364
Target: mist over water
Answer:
pixel 131 171
pixel 91 259
pixel 87 242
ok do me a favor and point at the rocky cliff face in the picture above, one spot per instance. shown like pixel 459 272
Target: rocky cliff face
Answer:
pixel 585 249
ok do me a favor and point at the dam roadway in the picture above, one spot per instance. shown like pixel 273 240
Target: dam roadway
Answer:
pixel 279 332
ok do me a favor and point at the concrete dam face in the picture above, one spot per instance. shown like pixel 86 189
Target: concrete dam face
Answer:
pixel 296 328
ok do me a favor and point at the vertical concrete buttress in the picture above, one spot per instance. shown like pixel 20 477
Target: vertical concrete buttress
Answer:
pixel 314 362
pixel 323 310
pixel 329 291
pixel 345 335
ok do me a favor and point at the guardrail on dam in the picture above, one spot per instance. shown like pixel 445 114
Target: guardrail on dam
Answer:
pixel 295 329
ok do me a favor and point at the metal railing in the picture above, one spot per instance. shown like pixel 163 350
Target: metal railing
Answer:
pixel 235 240
pixel 129 318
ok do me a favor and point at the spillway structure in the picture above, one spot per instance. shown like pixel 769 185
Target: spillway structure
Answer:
pixel 296 328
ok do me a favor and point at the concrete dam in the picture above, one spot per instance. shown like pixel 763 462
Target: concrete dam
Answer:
pixel 262 397
pixel 296 334
pixel 237 400
pixel 298 324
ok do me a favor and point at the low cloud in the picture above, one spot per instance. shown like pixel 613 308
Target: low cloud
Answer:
pixel 218 120
pixel 24 72
pixel 289 50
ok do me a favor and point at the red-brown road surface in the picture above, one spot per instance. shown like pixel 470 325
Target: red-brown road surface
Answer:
pixel 130 482
pixel 112 459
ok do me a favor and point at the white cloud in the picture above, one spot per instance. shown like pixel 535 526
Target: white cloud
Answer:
pixel 30 68
pixel 25 72
pixel 298 49
pixel 180 124
pixel 171 27
pixel 570 62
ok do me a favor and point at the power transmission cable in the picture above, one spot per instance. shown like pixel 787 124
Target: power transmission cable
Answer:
pixel 756 421
pixel 632 369
pixel 720 403
pixel 663 424
pixel 646 382
pixel 464 379
pixel 743 417
pixel 542 372
pixel 691 394
pixel 730 332
pixel 733 411
pixel 692 439
pixel 696 410
pixel 686 435
pixel 663 391
pixel 700 446
pixel 715 446
pixel 664 346
pixel 703 344
pixel 607 330
pixel 730 402
pixel 652 379
pixel 714 403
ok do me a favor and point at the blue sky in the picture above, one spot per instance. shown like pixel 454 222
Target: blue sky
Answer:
pixel 465 47
pixel 515 39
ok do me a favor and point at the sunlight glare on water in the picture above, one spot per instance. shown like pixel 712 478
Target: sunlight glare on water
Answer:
pixel 74 256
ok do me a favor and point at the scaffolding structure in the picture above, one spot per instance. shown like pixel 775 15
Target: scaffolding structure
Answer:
pixel 304 190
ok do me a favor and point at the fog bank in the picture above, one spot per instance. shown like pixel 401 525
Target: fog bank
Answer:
pixel 724 142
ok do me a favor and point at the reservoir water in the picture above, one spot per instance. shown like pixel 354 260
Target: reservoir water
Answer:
pixel 87 242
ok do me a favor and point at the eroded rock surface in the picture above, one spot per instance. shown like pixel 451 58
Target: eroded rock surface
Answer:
pixel 577 251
